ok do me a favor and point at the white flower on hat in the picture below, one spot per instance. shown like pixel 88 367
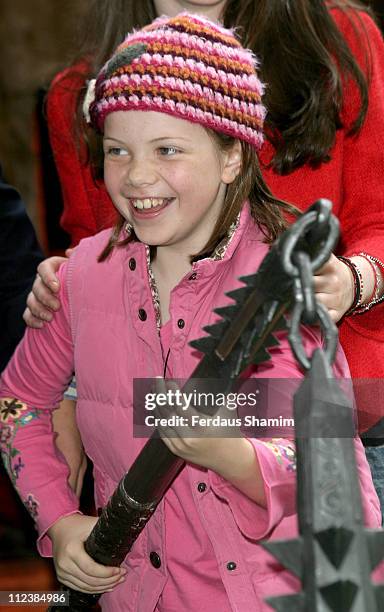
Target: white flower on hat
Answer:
pixel 88 99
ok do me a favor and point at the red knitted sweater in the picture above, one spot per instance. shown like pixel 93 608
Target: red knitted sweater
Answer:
pixel 353 180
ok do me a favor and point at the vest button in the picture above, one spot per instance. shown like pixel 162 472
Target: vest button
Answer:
pixel 201 487
pixel 193 276
pixel 231 566
pixel 132 264
pixel 181 323
pixel 142 314
pixel 155 559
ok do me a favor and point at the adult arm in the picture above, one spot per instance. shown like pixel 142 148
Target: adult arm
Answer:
pixel 362 216
pixel 362 212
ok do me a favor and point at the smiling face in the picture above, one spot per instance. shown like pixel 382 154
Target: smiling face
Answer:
pixel 210 8
pixel 167 177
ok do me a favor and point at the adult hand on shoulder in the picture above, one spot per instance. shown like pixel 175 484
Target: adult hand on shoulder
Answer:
pixel 74 567
pixel 41 300
pixel 334 287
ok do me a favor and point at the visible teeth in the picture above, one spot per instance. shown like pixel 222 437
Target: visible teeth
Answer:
pixel 148 202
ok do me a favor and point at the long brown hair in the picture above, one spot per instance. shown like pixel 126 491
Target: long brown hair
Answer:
pixel 305 62
pixel 266 210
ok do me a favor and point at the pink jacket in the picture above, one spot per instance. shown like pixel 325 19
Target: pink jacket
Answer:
pixel 201 549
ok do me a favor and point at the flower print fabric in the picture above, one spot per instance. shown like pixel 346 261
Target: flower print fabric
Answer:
pixel 11 408
pixel 31 505
pixel 13 415
pixel 284 452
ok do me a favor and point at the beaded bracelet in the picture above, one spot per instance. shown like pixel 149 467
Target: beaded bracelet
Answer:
pixel 375 276
pixel 376 296
pixel 358 284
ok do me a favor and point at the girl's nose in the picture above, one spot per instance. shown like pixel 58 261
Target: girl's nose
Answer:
pixel 140 172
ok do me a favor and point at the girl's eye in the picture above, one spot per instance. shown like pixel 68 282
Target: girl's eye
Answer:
pixel 168 151
pixel 115 152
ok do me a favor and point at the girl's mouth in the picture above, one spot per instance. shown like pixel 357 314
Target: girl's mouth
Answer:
pixel 148 207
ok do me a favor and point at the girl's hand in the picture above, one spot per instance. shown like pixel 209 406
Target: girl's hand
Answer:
pixel 334 287
pixel 191 438
pixel 74 567
pixel 233 457
pixel 208 451
pixel 41 300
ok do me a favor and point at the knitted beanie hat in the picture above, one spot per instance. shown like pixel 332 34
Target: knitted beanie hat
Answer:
pixel 188 67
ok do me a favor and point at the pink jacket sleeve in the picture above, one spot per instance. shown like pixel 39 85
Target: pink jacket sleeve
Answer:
pixel 31 387
pixel 277 459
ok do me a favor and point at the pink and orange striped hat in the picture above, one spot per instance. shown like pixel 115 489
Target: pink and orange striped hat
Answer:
pixel 184 66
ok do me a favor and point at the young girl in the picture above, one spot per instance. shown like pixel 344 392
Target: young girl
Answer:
pixel 324 66
pixel 181 126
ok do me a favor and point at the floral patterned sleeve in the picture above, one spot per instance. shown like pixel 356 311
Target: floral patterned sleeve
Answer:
pixel 31 387
pixel 13 415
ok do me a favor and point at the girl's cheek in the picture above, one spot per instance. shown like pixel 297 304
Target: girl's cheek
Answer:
pixel 111 179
